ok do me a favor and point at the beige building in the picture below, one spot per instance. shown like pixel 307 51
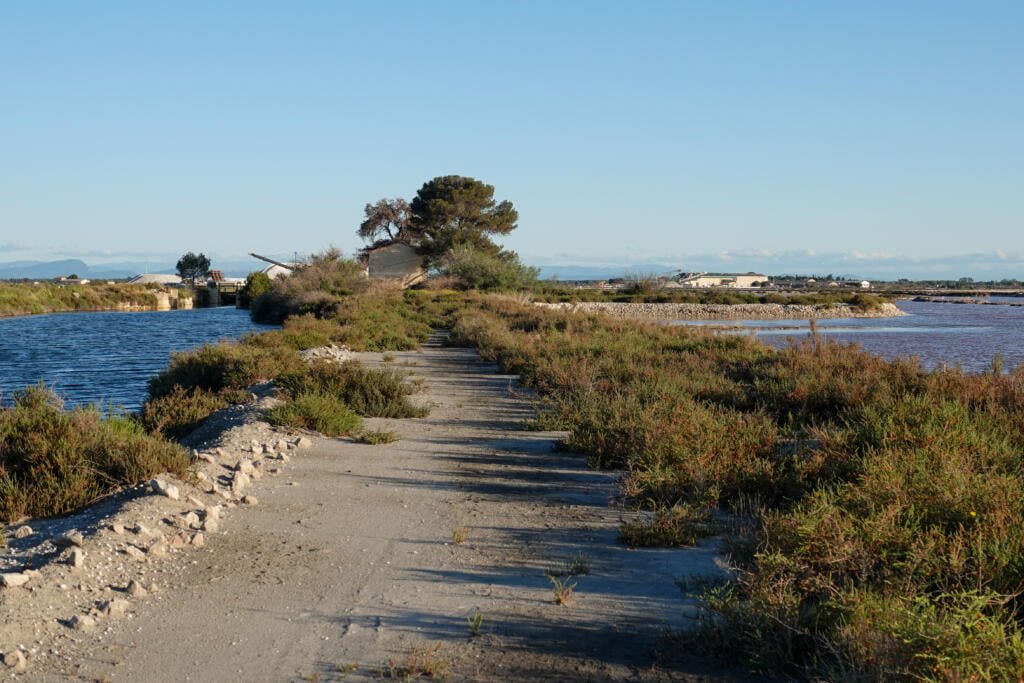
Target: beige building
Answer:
pixel 731 280
pixel 396 262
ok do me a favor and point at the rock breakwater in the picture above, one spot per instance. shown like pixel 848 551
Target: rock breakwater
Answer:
pixel 653 311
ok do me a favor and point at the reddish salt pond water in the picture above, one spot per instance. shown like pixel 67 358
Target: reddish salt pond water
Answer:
pixel 965 335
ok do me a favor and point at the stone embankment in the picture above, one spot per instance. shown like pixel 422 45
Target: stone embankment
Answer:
pixel 650 311
pixel 65 577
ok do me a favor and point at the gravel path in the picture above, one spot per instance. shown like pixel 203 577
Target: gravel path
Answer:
pixel 347 567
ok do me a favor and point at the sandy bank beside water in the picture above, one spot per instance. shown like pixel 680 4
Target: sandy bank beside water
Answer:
pixel 644 311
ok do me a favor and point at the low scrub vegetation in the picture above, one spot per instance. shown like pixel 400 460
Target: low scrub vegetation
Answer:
pixel 878 509
pixel 53 461
pixel 319 411
pixel 324 396
pixel 371 393
pixel 27 298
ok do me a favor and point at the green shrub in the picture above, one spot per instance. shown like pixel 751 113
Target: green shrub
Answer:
pixel 377 437
pixel 318 411
pixel 177 414
pixel 372 393
pixel 316 286
pixel 473 268
pixel 215 367
pixel 257 283
pixel 680 525
pixel 54 461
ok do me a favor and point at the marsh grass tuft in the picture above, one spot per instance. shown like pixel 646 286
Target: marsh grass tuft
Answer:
pixel 460 534
pixel 376 437
pixel 423 661
pixel 475 621
pixel 577 565
pixel 563 589
pixel 321 412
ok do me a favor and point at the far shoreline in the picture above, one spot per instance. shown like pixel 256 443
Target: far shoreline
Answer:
pixel 688 311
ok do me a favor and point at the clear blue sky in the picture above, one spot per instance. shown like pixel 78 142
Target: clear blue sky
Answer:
pixel 767 135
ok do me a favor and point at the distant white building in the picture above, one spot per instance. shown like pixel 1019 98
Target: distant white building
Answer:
pixel 155 279
pixel 731 280
pixel 864 284
pixel 276 270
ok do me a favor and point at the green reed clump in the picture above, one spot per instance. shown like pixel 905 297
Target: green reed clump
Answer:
pixel 226 365
pixel 54 461
pixel 680 525
pixel 319 411
pixel 176 414
pixel 368 392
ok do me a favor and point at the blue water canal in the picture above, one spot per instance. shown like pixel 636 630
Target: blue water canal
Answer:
pixel 106 358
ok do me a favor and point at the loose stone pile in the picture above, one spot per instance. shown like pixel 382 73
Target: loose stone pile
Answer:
pixel 55 585
pixel 333 353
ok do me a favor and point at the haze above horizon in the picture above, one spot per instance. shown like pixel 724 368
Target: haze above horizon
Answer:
pixel 871 138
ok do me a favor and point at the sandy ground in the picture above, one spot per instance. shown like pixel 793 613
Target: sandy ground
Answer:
pixel 347 568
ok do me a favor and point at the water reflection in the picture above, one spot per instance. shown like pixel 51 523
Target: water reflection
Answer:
pixel 965 335
pixel 106 357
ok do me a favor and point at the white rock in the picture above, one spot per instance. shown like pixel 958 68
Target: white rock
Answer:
pixel 164 489
pixel 76 558
pixel 143 530
pixel 257 470
pixel 15 659
pixel 159 548
pixel 239 483
pixel 116 607
pixel 117 528
pixel 206 457
pixel 192 520
pixel 199 539
pixel 136 589
pixel 13 579
pixel 71 538
pixel 250 500
pixel 211 525
pixel 135 553
pixel 303 442
pixel 244 466
pixel 82 623
pixel 23 531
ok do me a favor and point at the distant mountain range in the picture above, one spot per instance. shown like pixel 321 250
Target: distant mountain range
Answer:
pixel 47 270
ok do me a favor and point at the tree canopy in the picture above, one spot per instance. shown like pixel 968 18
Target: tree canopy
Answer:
pixel 386 222
pixel 193 266
pixel 456 210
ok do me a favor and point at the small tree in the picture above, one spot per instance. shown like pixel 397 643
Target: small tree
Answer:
pixel 387 221
pixel 191 266
pixel 256 283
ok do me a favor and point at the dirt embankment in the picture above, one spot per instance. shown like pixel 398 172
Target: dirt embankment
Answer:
pixel 647 311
